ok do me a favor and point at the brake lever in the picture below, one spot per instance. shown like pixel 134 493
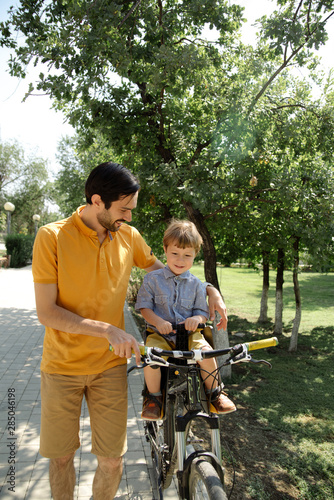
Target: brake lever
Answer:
pixel 135 367
pixel 262 361
pixel 157 361
pixel 241 355
pixel 241 358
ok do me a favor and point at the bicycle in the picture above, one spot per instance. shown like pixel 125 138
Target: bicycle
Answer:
pixel 200 473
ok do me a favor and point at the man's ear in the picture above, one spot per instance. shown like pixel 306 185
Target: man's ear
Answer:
pixel 96 201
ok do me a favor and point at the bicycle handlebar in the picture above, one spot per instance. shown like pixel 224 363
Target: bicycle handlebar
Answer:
pixel 237 353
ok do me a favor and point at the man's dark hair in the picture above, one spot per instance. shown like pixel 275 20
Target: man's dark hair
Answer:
pixel 111 181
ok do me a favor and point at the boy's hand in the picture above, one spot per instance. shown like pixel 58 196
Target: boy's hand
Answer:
pixel 164 327
pixel 192 323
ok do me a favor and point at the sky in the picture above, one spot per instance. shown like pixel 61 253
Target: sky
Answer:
pixel 39 128
pixel 33 123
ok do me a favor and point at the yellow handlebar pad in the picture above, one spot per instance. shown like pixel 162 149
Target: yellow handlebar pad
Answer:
pixel 261 344
pixel 142 349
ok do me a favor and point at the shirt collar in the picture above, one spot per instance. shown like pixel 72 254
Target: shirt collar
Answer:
pixel 169 274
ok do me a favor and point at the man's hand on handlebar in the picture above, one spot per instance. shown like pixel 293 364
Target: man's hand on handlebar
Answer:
pixel 123 344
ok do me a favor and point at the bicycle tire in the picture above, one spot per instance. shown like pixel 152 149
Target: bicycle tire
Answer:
pixel 154 436
pixel 204 482
pixel 169 440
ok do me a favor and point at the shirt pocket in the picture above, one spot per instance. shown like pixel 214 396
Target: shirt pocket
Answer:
pixel 161 300
pixel 186 305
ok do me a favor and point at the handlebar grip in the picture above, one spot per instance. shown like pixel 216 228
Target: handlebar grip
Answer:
pixel 261 344
pixel 142 349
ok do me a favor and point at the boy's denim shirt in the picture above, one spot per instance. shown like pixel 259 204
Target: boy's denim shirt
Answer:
pixel 173 298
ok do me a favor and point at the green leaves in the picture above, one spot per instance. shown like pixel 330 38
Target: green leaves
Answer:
pixel 23 181
pixel 196 120
pixel 297 25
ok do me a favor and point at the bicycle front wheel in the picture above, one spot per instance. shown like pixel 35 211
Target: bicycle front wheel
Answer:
pixel 204 482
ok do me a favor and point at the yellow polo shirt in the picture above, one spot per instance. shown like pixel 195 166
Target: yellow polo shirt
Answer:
pixel 92 281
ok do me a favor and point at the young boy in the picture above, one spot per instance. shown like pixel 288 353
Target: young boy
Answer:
pixel 171 296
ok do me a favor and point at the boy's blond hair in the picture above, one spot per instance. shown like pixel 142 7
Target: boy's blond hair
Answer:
pixel 183 234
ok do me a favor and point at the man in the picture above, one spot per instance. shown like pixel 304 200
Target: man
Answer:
pixel 81 268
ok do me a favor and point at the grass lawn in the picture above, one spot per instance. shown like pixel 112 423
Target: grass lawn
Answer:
pixel 242 290
pixel 293 404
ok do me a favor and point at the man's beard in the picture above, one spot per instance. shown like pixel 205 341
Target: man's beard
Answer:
pixel 105 221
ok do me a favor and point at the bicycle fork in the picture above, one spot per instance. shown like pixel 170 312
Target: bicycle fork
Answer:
pixel 181 424
pixel 184 460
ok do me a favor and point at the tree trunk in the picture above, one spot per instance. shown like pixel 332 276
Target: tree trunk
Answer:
pixel 263 318
pixel 220 341
pixel 210 258
pixel 298 315
pixel 279 292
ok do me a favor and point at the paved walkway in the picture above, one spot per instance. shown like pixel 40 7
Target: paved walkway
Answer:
pixel 23 471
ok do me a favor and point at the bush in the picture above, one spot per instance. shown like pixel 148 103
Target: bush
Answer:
pixel 19 247
pixel 135 281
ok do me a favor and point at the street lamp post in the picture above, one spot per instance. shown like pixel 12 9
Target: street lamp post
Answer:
pixel 36 218
pixel 9 207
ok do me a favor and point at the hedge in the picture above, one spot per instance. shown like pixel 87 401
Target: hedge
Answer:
pixel 19 247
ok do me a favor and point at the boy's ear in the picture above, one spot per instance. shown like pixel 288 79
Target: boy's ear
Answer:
pixel 165 249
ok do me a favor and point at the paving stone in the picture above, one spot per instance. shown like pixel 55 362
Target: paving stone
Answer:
pixel 38 490
pixel 18 490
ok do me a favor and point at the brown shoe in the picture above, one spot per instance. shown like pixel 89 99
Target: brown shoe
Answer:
pixel 152 408
pixel 222 404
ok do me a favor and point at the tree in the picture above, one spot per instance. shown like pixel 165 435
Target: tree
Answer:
pixel 301 178
pixel 180 103
pixel 24 181
pixel 76 161
pixel 69 185
pixel 13 166
pixel 186 114
pixel 29 200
